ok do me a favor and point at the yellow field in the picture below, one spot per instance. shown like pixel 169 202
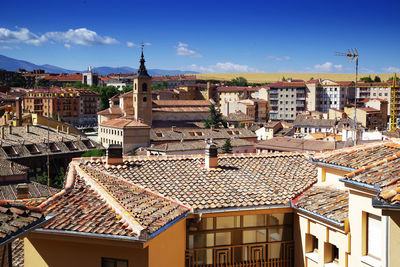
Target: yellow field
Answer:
pixel 273 77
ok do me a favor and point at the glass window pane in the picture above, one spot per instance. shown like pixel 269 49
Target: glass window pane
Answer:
pixel 203 240
pixel 274 251
pixel 107 263
pixel 228 222
pixel 275 234
pixel 254 220
pixel 204 256
pixel 223 239
pixel 122 264
pixel 280 218
pixel 190 241
pixel 254 236
pixel 207 223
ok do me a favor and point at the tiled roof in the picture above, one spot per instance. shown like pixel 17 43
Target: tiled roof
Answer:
pixel 16 219
pixel 65 77
pixel 20 143
pixel 232 88
pixel 37 192
pixel 239 181
pixel 391 194
pixel 238 116
pixel 97 203
pixel 327 201
pixel 359 156
pixel 287 84
pixel 9 168
pixel 114 110
pixel 295 144
pixel 157 135
pixel 123 123
pixel 370 110
pixel 181 109
pixel 181 103
pixel 197 145
pixel 18 253
pixel 306 121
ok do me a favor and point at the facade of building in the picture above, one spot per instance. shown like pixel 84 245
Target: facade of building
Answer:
pixel 374 90
pixel 286 100
pixel 76 106
pixel 372 113
pixel 325 94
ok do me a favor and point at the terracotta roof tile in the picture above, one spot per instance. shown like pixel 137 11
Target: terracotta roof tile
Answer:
pixel 239 181
pixel 123 123
pixel 327 201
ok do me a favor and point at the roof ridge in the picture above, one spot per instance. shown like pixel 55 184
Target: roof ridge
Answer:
pixel 125 216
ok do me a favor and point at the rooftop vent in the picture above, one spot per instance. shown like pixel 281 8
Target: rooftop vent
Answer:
pixel 114 154
pixel 54 148
pixel 71 146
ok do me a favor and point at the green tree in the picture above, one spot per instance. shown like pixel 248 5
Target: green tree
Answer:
pixel 215 119
pixel 159 86
pixel 367 79
pixel 93 153
pixel 239 81
pixel 242 125
pixel 284 79
pixel 133 152
pixel 126 89
pixel 377 79
pixel 227 147
pixel 57 181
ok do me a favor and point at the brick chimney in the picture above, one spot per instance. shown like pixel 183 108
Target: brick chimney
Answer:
pixel 18 111
pixel 211 158
pixel 114 154
pixel 27 128
pixel 22 191
pixel 2 132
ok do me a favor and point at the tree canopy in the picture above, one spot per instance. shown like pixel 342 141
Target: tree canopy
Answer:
pixel 227 147
pixel 215 119
pixel 239 81
pixel 367 79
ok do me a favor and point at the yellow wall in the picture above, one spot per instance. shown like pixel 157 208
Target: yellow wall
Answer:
pixel 60 251
pixel 168 248
pixel 40 120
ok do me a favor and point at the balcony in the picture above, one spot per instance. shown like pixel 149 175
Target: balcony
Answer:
pixel 278 254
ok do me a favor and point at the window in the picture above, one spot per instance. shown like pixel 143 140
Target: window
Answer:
pixel 374 236
pixel 312 247
pixel 144 87
pixel 331 253
pixel 109 262
pixel 144 99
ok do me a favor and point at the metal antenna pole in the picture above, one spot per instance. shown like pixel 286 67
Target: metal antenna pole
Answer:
pixel 48 138
pixel 352 55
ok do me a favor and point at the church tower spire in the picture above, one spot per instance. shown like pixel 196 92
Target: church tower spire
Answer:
pixel 142 72
pixel 142 98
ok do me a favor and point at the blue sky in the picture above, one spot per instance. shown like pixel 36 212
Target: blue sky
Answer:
pixel 204 36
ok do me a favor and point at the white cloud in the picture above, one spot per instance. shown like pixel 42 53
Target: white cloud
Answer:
pixel 21 35
pixel 81 36
pixel 222 67
pixel 279 58
pixel 67 46
pixel 183 50
pixel 132 44
pixel 391 69
pixel 326 67
pixel 5 47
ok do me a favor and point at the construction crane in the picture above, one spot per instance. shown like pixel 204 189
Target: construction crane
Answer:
pixel 394 100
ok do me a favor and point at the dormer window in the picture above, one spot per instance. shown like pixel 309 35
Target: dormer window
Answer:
pixel 71 146
pixel 88 143
pixel 32 149
pixel 54 148
pixel 159 134
pixel 10 151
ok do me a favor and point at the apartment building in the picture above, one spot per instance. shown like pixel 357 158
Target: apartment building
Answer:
pixel 76 106
pixel 374 90
pixel 325 94
pixel 287 99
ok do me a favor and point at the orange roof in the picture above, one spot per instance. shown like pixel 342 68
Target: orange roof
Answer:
pixel 65 77
pixel 123 123
pixel 182 103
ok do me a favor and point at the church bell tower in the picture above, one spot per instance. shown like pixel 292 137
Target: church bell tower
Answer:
pixel 142 99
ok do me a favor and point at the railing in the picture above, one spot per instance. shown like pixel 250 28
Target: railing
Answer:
pixel 274 254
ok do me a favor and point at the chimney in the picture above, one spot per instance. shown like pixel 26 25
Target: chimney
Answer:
pixel 67 130
pixel 173 128
pixel 22 191
pixel 2 132
pixel 18 108
pixel 58 128
pixel 212 127
pixel 10 129
pixel 211 158
pixel 114 154
pixel 27 128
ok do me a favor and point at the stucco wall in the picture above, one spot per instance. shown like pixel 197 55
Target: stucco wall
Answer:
pixel 60 251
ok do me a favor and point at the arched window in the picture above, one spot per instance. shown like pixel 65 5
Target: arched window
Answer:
pixel 144 99
pixel 135 86
pixel 144 87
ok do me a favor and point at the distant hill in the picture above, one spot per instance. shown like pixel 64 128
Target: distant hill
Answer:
pixel 12 64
